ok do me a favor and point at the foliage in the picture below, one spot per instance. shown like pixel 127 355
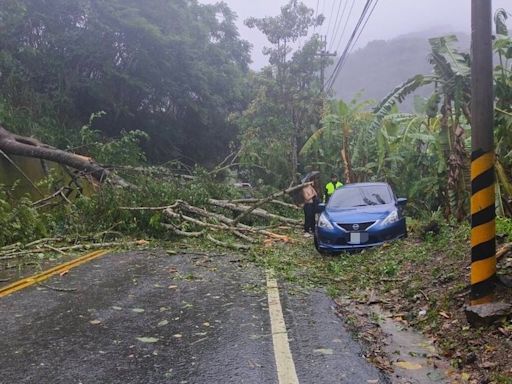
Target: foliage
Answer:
pixel 421 281
pixel 401 151
pixel 503 116
pixel 19 220
pixel 344 135
pixel 172 69
pixel 125 150
pixel 101 211
pixel 504 227
pixel 287 96
pixel 449 108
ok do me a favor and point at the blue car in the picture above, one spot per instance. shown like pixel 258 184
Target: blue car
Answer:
pixel 360 215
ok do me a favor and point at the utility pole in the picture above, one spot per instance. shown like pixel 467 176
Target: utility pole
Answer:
pixel 323 56
pixel 483 213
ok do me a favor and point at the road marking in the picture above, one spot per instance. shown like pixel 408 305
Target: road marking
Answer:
pixel 284 361
pixel 34 279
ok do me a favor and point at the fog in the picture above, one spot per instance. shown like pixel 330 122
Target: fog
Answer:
pixel 391 18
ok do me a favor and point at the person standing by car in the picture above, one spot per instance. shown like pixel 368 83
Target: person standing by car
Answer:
pixel 331 186
pixel 311 195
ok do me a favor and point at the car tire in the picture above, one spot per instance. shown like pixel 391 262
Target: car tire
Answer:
pixel 323 253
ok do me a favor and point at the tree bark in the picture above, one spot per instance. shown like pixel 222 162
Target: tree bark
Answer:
pixel 29 147
pixel 256 212
pixel 295 160
pixel 267 199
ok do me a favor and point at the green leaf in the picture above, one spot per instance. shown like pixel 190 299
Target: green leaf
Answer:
pixel 148 339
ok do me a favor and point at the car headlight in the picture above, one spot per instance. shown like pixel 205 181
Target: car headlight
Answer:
pixel 323 222
pixel 391 218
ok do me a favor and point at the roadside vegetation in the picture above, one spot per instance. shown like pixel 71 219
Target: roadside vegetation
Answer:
pixel 145 139
pixel 421 282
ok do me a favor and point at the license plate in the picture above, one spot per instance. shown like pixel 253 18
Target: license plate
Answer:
pixel 358 237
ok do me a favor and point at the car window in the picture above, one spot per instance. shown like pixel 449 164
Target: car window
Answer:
pixel 360 196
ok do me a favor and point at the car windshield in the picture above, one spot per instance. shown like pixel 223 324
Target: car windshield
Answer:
pixel 360 196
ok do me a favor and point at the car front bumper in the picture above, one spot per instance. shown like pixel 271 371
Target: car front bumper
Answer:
pixel 338 239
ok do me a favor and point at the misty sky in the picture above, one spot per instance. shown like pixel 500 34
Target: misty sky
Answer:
pixel 391 18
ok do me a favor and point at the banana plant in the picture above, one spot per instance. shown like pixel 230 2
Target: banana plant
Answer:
pixel 503 116
pixel 449 103
pixel 333 142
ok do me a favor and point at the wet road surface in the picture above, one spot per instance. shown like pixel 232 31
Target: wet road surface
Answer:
pixel 147 317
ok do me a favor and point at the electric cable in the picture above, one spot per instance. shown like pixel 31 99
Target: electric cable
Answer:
pixel 336 22
pixel 335 73
pixel 357 38
pixel 330 18
pixel 345 26
pixel 339 25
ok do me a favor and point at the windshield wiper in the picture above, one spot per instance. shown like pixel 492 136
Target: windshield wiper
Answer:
pixel 368 201
pixel 379 199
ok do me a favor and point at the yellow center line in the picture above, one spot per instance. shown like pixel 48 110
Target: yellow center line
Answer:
pixel 34 279
pixel 286 373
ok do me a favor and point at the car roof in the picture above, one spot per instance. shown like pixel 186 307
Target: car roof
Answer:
pixel 353 185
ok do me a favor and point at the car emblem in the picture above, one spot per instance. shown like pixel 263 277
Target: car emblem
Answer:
pixel 355 227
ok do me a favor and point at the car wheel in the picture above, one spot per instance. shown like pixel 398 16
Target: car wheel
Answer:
pixel 318 248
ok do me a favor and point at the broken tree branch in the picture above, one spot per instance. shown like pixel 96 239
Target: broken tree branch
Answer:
pixel 267 199
pixel 21 172
pixel 170 213
pixel 16 253
pixel 228 245
pixel 225 220
pixel 252 201
pixel 59 193
pixel 180 232
pixel 256 212
pixel 504 249
pixel 13 144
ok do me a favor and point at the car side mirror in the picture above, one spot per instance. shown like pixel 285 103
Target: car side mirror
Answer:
pixel 401 201
pixel 320 208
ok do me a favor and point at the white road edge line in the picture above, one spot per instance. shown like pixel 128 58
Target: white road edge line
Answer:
pixel 286 373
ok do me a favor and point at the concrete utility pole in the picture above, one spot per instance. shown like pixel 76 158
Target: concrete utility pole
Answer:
pixel 483 213
pixel 323 55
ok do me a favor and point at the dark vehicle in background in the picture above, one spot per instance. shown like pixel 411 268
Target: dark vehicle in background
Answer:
pixel 360 215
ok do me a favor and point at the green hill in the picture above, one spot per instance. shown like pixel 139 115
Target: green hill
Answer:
pixel 381 65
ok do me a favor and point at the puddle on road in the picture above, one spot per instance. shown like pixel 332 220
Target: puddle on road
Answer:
pixel 414 358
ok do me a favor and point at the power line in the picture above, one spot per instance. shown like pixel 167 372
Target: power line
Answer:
pixel 359 35
pixel 345 26
pixel 339 25
pixel 351 41
pixel 330 18
pixel 364 25
pixel 336 21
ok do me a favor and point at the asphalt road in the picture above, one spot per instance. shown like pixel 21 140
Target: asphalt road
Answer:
pixel 147 317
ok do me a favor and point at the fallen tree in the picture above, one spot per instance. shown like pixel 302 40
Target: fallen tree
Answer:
pixel 256 212
pixel 12 144
pixel 185 219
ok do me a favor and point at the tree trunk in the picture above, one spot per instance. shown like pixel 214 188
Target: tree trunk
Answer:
pixel 256 212
pixel 295 161
pixel 29 147
pixel 345 156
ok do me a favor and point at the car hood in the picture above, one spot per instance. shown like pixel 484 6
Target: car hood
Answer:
pixel 360 214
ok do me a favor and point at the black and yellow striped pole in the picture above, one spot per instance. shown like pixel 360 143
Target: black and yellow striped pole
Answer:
pixel 483 213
